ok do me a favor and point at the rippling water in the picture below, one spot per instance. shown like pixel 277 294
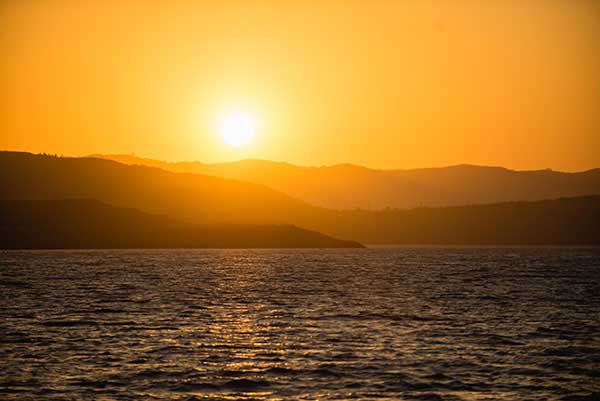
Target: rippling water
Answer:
pixel 396 323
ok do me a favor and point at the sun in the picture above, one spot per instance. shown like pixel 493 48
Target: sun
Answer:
pixel 237 128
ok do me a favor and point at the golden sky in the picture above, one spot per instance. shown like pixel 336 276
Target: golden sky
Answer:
pixel 382 83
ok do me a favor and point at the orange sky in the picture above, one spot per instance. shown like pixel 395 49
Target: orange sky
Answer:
pixel 382 83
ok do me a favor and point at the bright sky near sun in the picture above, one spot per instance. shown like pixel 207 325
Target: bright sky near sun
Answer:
pixel 382 83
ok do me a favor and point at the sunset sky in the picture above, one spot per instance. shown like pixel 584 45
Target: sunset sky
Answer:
pixel 381 83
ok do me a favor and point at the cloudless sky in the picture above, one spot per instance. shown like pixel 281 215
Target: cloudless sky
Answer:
pixel 382 83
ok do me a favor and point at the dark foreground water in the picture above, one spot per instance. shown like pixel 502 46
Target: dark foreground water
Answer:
pixel 395 323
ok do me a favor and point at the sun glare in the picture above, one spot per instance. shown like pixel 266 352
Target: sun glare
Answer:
pixel 237 128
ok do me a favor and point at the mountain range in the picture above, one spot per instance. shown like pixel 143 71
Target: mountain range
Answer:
pixel 347 187
pixel 201 199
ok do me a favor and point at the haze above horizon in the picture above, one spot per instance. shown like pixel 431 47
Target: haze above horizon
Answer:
pixel 133 158
pixel 386 85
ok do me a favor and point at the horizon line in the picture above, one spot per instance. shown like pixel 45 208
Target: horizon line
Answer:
pixel 341 164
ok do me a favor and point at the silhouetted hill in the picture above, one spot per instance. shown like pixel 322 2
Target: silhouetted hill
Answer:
pixel 565 221
pixel 60 224
pixel 346 186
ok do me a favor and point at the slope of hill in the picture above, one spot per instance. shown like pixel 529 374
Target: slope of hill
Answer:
pixel 77 224
pixel 349 187
pixel 189 197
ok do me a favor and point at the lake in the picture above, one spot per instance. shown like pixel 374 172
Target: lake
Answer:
pixel 420 323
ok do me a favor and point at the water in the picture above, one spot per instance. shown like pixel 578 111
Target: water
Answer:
pixel 383 323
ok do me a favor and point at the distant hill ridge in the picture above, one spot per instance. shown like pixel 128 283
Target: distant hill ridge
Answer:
pixel 346 186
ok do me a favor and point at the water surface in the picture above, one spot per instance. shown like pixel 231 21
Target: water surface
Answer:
pixel 379 323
